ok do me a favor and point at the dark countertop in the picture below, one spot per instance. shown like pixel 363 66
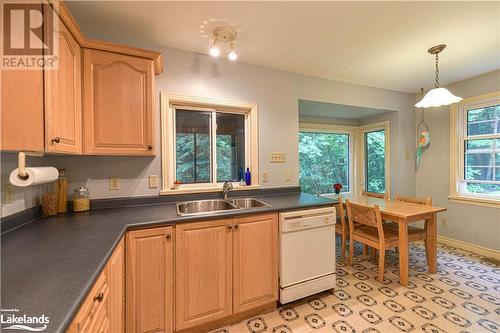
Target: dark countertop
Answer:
pixel 49 265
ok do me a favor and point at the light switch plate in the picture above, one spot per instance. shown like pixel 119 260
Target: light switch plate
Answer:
pixel 277 157
pixel 9 193
pixel 288 176
pixel 153 181
pixel 406 155
pixel 114 183
pixel 265 176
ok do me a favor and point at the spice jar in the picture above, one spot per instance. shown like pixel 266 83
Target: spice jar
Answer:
pixel 49 200
pixel 81 200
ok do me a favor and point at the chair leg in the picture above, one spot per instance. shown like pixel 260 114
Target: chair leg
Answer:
pixel 381 265
pixel 374 253
pixel 351 251
pixel 343 246
pixel 365 249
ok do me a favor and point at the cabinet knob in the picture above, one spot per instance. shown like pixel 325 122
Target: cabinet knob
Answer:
pixel 236 226
pixel 56 140
pixel 229 227
pixel 168 236
pixel 150 147
pixel 99 297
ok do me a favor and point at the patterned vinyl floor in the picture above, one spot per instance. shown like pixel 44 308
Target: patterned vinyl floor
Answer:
pixel 463 296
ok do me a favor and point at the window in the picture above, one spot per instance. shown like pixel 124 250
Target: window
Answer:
pixel 475 149
pixel 206 142
pixel 375 161
pixel 325 158
pixel 374 158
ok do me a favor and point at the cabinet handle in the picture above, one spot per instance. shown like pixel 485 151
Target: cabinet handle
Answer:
pixel 150 147
pixel 99 297
pixel 236 226
pixel 168 236
pixel 56 140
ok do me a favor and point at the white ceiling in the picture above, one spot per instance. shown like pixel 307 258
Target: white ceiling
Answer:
pixel 378 44
pixel 338 111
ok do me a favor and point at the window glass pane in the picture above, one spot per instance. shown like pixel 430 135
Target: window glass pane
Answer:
pixel 324 161
pixel 483 121
pixel 477 145
pixel 479 159
pixel 490 189
pixel 479 173
pixel 497 159
pixel 375 161
pixel 193 148
pixel 230 147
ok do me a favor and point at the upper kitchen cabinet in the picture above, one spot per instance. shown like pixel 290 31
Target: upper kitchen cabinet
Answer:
pixel 63 107
pixel 22 110
pixel 118 94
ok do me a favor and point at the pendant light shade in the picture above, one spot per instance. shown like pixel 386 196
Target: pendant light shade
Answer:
pixel 438 96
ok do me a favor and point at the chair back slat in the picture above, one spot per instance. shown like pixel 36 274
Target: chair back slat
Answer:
pixel 341 212
pixel 375 195
pixel 421 201
pixel 365 215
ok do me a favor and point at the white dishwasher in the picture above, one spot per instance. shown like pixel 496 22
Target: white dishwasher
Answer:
pixel 307 253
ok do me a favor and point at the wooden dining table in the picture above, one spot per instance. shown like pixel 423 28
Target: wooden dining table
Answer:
pixel 404 213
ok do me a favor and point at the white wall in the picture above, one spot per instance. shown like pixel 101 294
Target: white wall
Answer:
pixel 276 92
pixel 468 223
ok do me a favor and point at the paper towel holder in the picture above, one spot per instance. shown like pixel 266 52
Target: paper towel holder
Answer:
pixel 21 163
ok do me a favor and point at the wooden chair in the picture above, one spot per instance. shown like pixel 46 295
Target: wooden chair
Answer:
pixel 341 227
pixel 415 234
pixel 384 196
pixel 365 226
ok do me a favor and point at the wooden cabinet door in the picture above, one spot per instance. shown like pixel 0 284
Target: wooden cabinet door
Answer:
pixel 149 283
pixel 116 281
pixel 203 263
pixel 21 110
pixel 118 104
pixel 255 261
pixel 63 104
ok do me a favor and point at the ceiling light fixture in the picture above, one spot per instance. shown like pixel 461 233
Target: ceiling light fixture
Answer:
pixel 232 55
pixel 214 49
pixel 437 96
pixel 224 35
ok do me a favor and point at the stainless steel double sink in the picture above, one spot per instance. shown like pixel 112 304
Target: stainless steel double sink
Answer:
pixel 199 207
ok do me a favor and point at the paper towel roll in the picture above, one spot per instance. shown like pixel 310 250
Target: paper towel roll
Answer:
pixel 36 176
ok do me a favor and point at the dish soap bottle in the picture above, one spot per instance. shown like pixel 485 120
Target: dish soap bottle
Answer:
pixel 248 177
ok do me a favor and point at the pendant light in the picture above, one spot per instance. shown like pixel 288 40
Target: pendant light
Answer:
pixel 437 96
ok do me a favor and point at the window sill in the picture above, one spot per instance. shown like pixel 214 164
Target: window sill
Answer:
pixel 477 201
pixel 205 189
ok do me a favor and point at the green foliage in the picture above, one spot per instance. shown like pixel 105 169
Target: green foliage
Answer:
pixel 324 161
pixel 375 161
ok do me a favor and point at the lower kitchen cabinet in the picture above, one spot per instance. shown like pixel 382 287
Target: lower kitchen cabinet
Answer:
pixel 102 310
pixel 203 260
pixel 149 280
pixel 255 261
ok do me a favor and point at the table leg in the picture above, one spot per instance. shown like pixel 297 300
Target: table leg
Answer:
pixel 431 239
pixel 403 252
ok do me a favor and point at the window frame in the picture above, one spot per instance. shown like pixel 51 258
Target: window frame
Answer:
pixel 336 129
pixel 362 130
pixel 458 137
pixel 168 105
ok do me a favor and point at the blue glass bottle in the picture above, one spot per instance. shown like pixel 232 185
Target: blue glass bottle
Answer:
pixel 248 177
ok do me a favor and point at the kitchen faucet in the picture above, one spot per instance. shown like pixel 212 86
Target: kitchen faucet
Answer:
pixel 228 186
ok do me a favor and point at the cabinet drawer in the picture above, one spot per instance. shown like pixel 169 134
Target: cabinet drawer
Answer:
pixel 94 312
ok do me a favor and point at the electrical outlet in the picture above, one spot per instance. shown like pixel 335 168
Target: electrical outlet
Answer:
pixel 114 183
pixel 406 154
pixel 444 222
pixel 9 193
pixel 265 176
pixel 153 181
pixel 288 176
pixel 277 157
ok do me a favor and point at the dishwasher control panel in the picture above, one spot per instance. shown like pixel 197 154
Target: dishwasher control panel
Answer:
pixel 305 219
